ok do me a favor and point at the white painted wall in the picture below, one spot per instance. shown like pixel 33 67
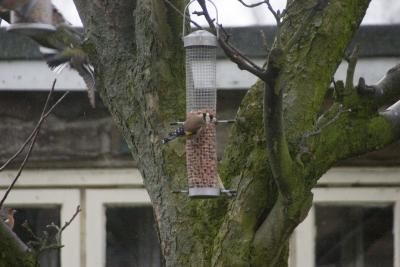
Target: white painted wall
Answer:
pixel 36 76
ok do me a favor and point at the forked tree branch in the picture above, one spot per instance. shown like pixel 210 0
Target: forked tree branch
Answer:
pixel 277 146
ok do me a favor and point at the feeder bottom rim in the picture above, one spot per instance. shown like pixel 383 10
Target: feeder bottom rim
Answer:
pixel 204 192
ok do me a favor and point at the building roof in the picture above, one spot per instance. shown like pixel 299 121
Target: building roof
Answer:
pixel 375 41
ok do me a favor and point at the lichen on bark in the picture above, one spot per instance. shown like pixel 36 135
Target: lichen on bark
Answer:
pixel 138 57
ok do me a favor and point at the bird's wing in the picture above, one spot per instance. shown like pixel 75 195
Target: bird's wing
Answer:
pixel 55 60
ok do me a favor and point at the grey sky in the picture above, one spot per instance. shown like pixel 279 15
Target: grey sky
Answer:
pixel 232 13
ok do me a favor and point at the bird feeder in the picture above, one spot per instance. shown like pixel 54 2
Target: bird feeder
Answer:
pixel 32 19
pixel 201 98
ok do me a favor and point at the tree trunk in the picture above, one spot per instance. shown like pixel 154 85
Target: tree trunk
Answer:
pixel 138 57
pixel 13 251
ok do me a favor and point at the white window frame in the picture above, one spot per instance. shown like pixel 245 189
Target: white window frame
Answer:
pixel 96 202
pixel 68 200
pixel 303 241
pixel 67 188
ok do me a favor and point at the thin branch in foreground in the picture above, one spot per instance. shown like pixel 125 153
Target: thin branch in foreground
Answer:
pixel 34 135
pixel 34 130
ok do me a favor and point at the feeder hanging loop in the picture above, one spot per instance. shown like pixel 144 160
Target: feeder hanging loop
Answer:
pixel 184 17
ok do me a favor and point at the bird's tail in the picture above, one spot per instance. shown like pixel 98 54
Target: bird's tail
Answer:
pixel 172 135
pixel 87 74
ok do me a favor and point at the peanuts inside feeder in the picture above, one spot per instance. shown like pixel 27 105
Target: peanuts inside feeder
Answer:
pixel 32 19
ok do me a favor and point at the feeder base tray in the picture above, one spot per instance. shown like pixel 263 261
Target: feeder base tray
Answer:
pixel 204 192
pixel 31 29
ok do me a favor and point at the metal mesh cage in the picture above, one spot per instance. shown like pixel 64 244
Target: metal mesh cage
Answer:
pixel 201 97
pixel 201 90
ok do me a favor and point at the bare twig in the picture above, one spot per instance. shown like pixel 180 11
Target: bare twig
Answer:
pixel 276 14
pixel 32 139
pixel 251 5
pixel 233 53
pixel 34 130
pixel 243 62
pixel 78 209
pixel 43 243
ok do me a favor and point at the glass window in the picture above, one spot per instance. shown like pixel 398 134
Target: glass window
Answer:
pixel 354 235
pixel 38 218
pixel 131 237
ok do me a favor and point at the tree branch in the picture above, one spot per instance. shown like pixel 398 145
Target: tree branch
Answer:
pixel 352 61
pixel 276 14
pixel 277 147
pixel 33 132
pixel 272 236
pixel 392 114
pixel 233 53
pixel 384 91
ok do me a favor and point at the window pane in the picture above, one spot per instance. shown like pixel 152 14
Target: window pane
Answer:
pixel 131 237
pixel 38 219
pixel 354 235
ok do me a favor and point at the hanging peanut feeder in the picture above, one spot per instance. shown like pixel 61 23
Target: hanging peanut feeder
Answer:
pixel 201 106
pixel 32 19
pixel 201 98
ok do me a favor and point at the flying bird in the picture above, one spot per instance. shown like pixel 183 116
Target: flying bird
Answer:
pixel 66 43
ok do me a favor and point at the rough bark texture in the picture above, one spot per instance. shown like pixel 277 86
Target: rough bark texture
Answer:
pixel 278 148
pixel 137 54
pixel 13 251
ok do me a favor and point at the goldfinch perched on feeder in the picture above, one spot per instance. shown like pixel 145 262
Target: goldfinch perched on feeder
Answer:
pixel 192 126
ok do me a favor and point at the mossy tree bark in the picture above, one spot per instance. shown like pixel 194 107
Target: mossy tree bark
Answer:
pixel 137 53
pixel 13 252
